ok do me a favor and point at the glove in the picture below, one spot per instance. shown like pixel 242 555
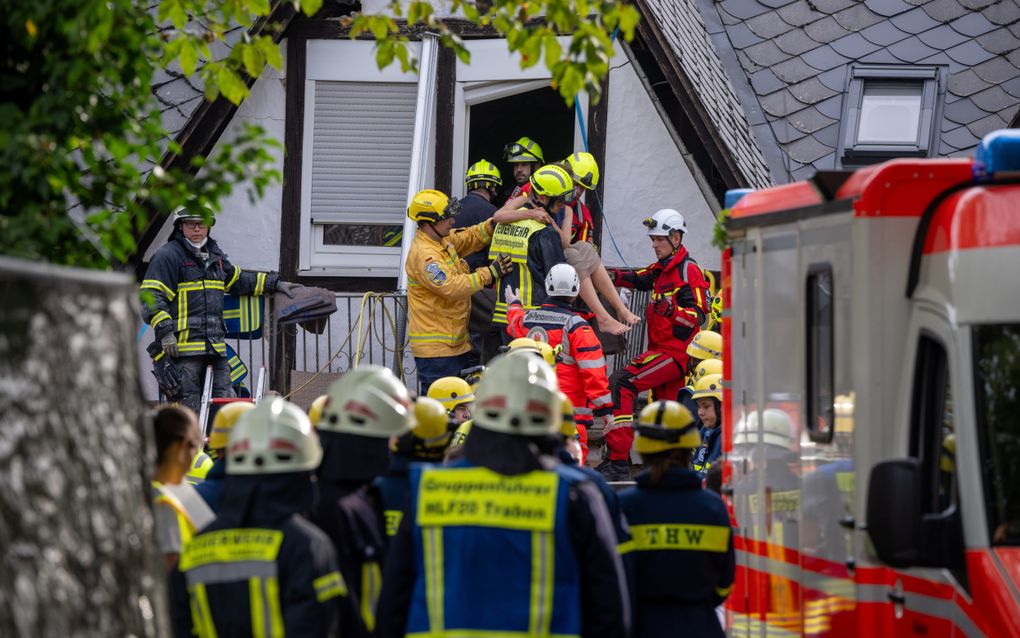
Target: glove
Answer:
pixel 511 295
pixel 169 344
pixel 286 288
pixel 168 377
pixel 601 423
pixel 663 307
pixel 500 266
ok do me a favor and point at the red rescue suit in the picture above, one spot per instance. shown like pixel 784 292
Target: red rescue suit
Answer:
pixel 581 371
pixel 679 303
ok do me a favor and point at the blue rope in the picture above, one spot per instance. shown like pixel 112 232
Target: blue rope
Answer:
pixel 584 140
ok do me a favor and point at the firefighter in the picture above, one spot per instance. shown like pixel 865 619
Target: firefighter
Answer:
pixel 708 366
pixel 261 568
pixel 504 541
pixel 682 553
pixel 178 511
pixel 533 247
pixel 199 469
pixel 456 396
pixel 367 406
pixel 708 395
pixel 582 368
pixel 524 156
pixel 440 284
pixel 676 309
pixel 185 284
pixel 211 490
pixel 483 182
pixel 526 345
pixel 425 443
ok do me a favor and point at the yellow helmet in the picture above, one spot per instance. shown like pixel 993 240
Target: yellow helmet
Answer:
pixel 569 427
pixel 430 422
pixel 706 367
pixel 224 421
pixel 665 425
pixel 451 392
pixel 534 346
pixel 717 308
pixel 461 434
pixel 523 150
pixel 519 396
pixel 200 466
pixel 707 344
pixel 584 169
pixel 482 172
pixel 947 460
pixel 315 411
pixel 709 386
pixel 552 181
pixel 432 206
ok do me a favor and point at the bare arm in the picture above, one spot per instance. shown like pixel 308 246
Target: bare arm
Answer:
pixel 512 212
pixel 566 226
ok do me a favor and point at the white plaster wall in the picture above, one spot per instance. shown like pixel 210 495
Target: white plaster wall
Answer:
pixel 645 172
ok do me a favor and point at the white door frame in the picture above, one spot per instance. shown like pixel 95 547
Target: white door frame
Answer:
pixel 494 73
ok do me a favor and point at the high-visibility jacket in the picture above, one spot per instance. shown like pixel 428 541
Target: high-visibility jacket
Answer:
pixel 680 281
pixel 710 450
pixel 529 581
pixel 439 289
pixel 581 371
pixel 681 554
pixel 180 512
pixel 187 294
pixel 534 248
pixel 258 570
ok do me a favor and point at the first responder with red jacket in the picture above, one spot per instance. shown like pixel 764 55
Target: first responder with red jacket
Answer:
pixel 678 305
pixel 582 367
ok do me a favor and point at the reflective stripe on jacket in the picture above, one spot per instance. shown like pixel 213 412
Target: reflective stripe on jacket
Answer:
pixel 681 554
pixel 262 581
pixel 680 281
pixel 519 525
pixel 439 289
pixel 581 371
pixel 187 294
pixel 534 249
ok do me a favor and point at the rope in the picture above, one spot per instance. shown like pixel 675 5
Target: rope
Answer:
pixel 371 300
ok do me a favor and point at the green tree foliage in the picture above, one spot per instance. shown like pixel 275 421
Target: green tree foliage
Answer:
pixel 80 136
pixel 531 28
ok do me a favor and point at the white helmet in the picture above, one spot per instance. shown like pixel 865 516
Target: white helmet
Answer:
pixel 518 395
pixel 778 429
pixel 665 221
pixel 562 281
pixel 275 437
pixel 367 401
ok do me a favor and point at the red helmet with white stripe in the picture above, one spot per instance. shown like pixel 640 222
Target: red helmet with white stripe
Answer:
pixel 275 437
pixel 518 395
pixel 368 401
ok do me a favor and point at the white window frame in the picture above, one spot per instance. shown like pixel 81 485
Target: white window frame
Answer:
pixel 494 73
pixel 341 61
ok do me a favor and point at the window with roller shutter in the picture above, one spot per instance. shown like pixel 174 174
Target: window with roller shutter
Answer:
pixel 359 131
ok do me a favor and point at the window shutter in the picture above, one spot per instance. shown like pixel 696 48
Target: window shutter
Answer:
pixel 361 151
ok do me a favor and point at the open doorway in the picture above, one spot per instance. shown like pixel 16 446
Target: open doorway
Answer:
pixel 539 114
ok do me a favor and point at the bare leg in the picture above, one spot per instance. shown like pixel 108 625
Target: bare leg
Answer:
pixel 605 285
pixel 606 322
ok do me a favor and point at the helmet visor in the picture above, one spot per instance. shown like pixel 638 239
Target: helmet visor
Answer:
pixel 514 152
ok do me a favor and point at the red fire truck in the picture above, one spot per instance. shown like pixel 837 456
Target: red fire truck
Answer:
pixel 872 430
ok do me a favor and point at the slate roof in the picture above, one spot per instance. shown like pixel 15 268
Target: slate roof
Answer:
pixel 683 27
pixel 789 62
